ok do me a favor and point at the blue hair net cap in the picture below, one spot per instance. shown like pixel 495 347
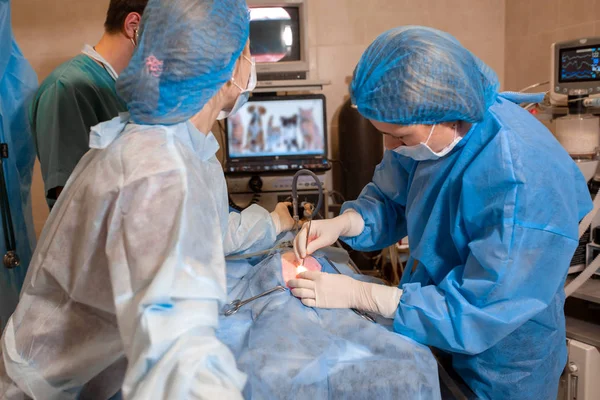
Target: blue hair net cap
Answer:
pixel 416 75
pixel 186 52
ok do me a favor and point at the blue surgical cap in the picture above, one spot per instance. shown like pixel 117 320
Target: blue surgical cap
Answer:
pixel 186 52
pixel 416 75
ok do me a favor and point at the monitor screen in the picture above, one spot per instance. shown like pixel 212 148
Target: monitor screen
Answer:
pixel 286 127
pixel 275 34
pixel 581 64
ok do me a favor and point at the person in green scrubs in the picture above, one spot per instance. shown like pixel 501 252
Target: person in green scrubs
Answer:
pixel 80 94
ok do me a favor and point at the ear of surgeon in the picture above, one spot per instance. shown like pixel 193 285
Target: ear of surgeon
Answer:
pixel 222 103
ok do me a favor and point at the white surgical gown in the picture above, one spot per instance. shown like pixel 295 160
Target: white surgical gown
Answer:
pixel 130 273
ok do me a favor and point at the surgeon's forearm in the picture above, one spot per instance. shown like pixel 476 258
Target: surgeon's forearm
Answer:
pixel 377 298
pixel 252 230
pixel 276 222
pixel 353 222
pixel 383 220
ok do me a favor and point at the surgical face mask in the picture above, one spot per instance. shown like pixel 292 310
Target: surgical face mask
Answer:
pixel 136 38
pixel 422 152
pixel 244 93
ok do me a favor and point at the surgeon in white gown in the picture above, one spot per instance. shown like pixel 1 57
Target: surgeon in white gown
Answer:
pixel 125 286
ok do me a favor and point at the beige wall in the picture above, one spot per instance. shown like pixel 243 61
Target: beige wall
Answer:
pixel 51 31
pixel 531 28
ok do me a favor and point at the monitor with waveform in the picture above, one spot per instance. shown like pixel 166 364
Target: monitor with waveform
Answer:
pixel 581 64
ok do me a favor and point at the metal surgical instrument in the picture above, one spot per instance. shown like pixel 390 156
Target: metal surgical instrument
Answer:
pixel 235 305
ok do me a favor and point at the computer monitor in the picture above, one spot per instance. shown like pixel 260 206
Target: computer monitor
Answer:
pixel 278 133
pixel 576 68
pixel 279 38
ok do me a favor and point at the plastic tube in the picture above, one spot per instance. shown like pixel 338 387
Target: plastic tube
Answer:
pixel 595 265
pixel 295 193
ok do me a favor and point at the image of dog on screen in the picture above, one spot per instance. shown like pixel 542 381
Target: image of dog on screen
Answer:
pixel 290 135
pixel 311 136
pixel 255 135
pixel 237 133
pixel 274 138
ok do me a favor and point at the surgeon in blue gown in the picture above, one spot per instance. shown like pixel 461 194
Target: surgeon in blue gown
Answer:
pixel 490 203
pixel 18 83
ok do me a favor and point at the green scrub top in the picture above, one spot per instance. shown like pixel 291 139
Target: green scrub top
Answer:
pixel 74 97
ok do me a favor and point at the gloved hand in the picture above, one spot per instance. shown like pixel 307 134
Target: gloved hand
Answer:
pixel 282 219
pixel 323 290
pixel 324 233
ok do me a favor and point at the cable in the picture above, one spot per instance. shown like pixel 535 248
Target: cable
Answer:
pixel 295 193
pixel 335 192
pixel 529 106
pixel 255 199
pixel 595 264
pixel 7 226
pixel 255 185
pixel 534 86
pixel 10 259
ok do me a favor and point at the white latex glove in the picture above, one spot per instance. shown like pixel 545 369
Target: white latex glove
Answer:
pixel 323 290
pixel 282 219
pixel 324 233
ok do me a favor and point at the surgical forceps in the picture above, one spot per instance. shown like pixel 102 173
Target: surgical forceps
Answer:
pixel 357 312
pixel 235 305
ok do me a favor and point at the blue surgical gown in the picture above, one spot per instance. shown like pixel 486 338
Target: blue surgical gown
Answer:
pixel 18 82
pixel 492 229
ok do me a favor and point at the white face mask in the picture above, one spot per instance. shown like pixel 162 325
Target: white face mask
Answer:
pixel 244 93
pixel 422 152
pixel 136 38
